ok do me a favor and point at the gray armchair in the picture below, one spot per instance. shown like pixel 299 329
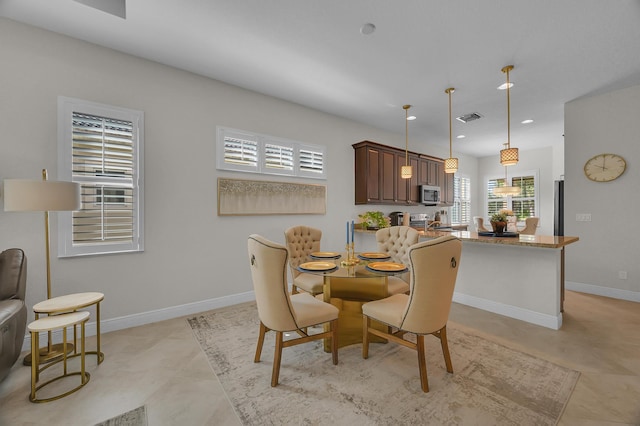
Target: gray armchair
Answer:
pixel 13 312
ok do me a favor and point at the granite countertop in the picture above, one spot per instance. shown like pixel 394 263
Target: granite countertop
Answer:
pixel 543 241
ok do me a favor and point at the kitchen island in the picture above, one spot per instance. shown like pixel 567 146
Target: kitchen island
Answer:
pixel 520 277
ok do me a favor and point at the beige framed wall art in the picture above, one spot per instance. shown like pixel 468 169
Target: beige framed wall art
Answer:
pixel 237 197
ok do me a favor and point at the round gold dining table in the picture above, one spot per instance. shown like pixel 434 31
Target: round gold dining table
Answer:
pixel 348 288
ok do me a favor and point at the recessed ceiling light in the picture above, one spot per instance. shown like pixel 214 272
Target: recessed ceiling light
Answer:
pixel 460 136
pixel 527 121
pixel 503 86
pixel 411 117
pixel 367 28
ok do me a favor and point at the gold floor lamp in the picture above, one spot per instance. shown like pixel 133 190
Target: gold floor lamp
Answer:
pixel 22 195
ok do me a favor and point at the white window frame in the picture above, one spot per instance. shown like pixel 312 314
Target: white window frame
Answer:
pixel 458 201
pixel 509 200
pixel 260 164
pixel 66 108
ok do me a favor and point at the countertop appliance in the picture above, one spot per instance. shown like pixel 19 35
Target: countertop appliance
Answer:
pixel 419 220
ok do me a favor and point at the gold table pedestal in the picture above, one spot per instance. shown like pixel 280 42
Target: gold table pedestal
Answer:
pixel 348 294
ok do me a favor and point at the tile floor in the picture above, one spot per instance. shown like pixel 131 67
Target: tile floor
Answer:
pixel 162 366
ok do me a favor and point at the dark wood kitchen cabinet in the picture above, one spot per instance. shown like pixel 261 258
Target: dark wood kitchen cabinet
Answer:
pixel 377 174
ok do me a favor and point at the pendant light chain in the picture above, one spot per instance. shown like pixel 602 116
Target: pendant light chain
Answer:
pixel 450 164
pixel 406 134
pixel 508 156
pixel 450 126
pixel 508 110
pixel 406 171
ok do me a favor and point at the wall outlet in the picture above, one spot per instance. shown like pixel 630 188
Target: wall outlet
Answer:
pixel 583 217
pixel 622 275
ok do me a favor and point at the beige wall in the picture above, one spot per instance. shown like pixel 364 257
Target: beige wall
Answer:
pixel 191 256
pixel 608 244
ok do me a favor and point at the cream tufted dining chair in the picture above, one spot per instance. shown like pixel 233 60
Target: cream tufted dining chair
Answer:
pixel 395 241
pixel 530 226
pixel 425 310
pixel 301 242
pixel 281 312
pixel 478 221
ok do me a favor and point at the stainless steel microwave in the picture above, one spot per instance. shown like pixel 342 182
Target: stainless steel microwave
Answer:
pixel 429 195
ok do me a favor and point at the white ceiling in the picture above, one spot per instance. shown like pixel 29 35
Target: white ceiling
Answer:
pixel 312 53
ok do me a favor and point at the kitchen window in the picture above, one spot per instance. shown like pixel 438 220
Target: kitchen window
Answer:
pixel 524 205
pixel 461 210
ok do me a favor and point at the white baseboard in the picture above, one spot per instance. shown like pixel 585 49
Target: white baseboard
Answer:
pixel 537 318
pixel 143 318
pixel 149 317
pixel 614 293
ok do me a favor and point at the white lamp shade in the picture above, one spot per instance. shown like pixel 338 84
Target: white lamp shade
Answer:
pixel 505 191
pixel 40 195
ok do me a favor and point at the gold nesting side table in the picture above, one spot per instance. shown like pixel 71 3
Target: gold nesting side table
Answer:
pixel 71 303
pixel 49 324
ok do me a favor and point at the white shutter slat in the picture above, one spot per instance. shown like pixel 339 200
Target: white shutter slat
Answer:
pixel 102 157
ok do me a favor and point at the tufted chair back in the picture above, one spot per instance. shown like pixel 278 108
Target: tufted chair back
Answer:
pixel 301 241
pixel 395 241
pixel 530 226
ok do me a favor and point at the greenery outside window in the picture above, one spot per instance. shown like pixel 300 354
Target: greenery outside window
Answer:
pixel 524 205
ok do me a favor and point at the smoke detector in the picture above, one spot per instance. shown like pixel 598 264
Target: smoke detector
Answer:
pixel 469 117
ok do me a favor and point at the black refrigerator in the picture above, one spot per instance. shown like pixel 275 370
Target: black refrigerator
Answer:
pixel 558 208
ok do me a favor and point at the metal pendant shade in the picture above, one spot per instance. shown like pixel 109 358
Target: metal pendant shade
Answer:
pixel 450 164
pixel 508 156
pixel 406 171
pixel 506 190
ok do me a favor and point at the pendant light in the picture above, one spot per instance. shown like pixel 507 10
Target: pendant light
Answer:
pixel 406 171
pixel 508 156
pixel 450 164
pixel 507 190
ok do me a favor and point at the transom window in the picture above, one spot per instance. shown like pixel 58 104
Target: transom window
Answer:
pixel 244 151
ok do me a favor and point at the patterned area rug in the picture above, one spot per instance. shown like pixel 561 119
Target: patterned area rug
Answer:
pixel 491 384
pixel 136 417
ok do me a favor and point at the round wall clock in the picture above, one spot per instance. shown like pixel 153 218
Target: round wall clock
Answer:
pixel 604 167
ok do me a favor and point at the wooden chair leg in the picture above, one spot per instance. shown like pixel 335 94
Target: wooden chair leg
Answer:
pixel 366 322
pixel 276 358
pixel 263 331
pixel 445 349
pixel 422 363
pixel 334 341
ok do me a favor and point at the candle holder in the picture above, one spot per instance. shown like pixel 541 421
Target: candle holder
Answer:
pixel 350 259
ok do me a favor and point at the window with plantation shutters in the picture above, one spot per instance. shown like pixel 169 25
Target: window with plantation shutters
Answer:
pixel 240 151
pixel 278 157
pixel 100 148
pixel 523 205
pixel 311 162
pixel 244 151
pixel 461 209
